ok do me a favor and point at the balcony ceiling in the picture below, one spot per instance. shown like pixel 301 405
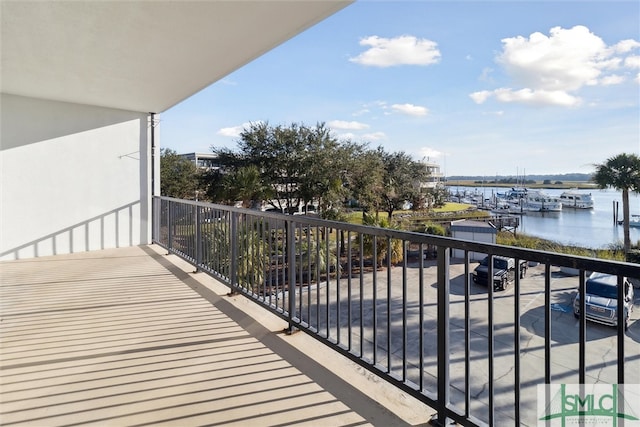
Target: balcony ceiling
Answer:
pixel 142 56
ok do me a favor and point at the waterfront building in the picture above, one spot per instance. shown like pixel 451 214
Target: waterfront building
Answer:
pixel 435 178
pixel 207 161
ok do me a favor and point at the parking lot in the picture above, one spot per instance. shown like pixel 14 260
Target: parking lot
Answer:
pixel 382 334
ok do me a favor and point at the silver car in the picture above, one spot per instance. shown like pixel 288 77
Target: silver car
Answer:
pixel 602 300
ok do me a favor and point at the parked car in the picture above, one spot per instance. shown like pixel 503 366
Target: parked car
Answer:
pixel 602 300
pixel 504 272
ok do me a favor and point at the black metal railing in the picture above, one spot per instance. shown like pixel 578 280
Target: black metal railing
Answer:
pixel 404 305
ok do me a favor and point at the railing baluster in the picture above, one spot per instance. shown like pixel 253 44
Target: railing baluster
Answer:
pixel 389 303
pixel 443 336
pixel 467 336
pixel 516 341
pixel 404 310
pixel 421 316
pixel 582 323
pixel 349 296
pixel 233 248
pixel 361 307
pixel 291 269
pixel 374 302
pixel 170 226
pixel 547 324
pixel 198 237
pixel 490 339
pixel 622 294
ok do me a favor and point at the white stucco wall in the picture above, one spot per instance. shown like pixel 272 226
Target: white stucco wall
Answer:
pixel 475 237
pixel 74 178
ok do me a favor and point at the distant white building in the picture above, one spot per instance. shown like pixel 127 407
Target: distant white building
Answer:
pixel 203 160
pixel 435 177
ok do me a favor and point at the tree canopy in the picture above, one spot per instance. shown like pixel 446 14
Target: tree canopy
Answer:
pixel 621 172
pixel 178 176
pixel 298 165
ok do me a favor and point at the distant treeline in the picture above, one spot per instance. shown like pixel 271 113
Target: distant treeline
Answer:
pixel 529 179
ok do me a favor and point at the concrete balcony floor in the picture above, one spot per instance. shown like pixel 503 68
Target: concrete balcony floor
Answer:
pixel 132 336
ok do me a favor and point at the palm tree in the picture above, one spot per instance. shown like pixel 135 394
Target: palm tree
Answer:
pixel 245 184
pixel 621 172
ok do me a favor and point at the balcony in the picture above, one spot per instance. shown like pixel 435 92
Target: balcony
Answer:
pixel 132 336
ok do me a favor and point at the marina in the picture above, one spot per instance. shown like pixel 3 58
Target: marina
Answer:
pixel 595 227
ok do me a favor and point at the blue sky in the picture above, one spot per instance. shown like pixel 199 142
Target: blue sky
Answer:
pixel 483 88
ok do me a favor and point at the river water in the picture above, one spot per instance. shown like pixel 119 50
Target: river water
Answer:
pixel 592 228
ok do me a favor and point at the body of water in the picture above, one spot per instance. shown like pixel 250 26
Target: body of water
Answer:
pixel 593 228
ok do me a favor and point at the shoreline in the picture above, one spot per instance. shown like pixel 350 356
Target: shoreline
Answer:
pixel 580 185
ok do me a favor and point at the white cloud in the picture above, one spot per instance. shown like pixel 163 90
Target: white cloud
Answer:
pixel 402 50
pixel 235 131
pixel 410 109
pixel 430 153
pixel 480 96
pixel 346 136
pixel 632 61
pixel 625 46
pixel 361 112
pixel 486 74
pixel 566 60
pixel 232 131
pixel 537 97
pixel 375 136
pixel 342 124
pixel 612 80
pixel 550 69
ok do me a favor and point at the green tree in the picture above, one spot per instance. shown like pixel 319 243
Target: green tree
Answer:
pixel 402 178
pixel 178 176
pixel 384 251
pixel 296 163
pixel 364 179
pixel 245 184
pixel 337 174
pixel 621 172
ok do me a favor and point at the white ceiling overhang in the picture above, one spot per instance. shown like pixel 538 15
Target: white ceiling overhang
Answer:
pixel 140 55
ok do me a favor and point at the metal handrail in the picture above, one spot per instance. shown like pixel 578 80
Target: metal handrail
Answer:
pixel 338 283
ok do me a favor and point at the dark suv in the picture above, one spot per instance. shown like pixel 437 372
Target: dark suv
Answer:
pixel 504 272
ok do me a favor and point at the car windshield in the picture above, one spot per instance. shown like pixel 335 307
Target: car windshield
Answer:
pixel 599 289
pixel 497 263
pixel 500 263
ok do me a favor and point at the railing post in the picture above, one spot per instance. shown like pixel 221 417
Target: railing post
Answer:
pixel 290 229
pixel 233 247
pixel 155 217
pixel 169 226
pixel 440 418
pixel 198 238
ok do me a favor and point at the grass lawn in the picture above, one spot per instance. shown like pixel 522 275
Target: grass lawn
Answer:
pixel 450 207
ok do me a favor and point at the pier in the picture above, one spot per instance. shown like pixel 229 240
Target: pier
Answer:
pixel 508 223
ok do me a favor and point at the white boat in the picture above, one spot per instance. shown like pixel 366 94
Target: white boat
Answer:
pixel 634 221
pixel 515 194
pixel 527 200
pixel 537 201
pixel 575 199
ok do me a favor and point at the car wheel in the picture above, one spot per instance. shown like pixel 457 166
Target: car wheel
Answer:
pixel 523 272
pixel 627 323
pixel 576 315
pixel 503 284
